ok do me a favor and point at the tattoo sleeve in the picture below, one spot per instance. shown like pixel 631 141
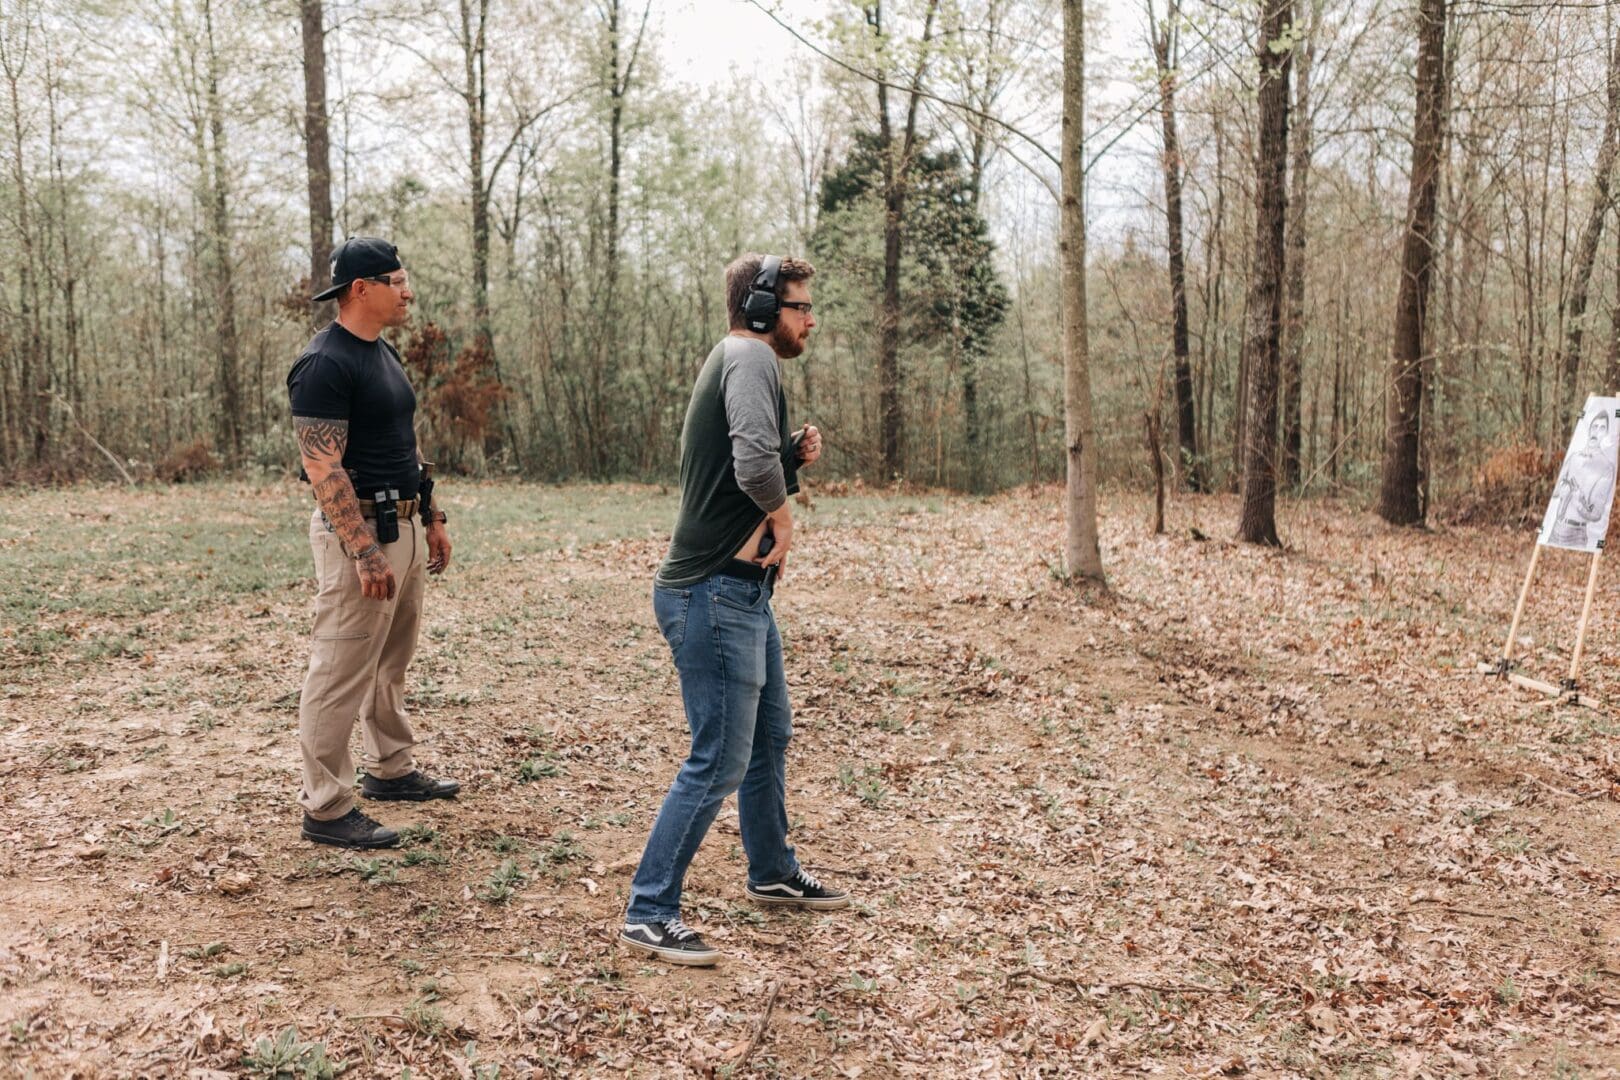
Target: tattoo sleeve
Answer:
pixel 321 443
pixel 321 440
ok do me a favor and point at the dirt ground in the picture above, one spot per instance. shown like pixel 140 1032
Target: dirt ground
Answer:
pixel 1251 814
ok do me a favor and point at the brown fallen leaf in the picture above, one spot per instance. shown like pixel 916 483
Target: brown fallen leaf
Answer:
pixel 1322 1019
pixel 236 883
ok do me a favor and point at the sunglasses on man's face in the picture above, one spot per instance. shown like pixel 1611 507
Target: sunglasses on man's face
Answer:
pixel 403 281
pixel 798 305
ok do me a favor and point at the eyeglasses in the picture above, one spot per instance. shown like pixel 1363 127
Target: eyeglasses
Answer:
pixel 404 281
pixel 798 305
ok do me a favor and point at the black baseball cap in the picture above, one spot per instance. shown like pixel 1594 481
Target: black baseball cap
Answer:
pixel 359 257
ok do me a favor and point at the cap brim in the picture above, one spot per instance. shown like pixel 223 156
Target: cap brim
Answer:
pixel 328 293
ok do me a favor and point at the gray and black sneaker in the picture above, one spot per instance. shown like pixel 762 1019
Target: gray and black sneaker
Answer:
pixel 414 786
pixel 352 830
pixel 800 890
pixel 671 940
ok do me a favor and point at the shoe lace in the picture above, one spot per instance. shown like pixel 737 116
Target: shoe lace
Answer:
pixel 806 878
pixel 679 930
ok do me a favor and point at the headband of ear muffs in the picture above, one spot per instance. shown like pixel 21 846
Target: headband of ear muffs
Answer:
pixel 763 307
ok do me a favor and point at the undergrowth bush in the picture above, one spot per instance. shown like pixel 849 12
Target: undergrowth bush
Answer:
pixel 1511 487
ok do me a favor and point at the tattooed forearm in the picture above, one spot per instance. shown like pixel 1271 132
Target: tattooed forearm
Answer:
pixel 335 494
pixel 321 439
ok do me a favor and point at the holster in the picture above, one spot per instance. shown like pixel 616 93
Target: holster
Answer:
pixel 387 508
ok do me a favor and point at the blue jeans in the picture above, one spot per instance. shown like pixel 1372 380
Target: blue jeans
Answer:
pixel 729 657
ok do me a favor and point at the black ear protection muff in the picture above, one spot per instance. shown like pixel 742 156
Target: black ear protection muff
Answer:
pixel 763 307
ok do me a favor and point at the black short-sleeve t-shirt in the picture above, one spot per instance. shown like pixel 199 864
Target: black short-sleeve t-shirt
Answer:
pixel 343 377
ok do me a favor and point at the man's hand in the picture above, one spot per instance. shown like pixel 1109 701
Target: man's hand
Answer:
pixel 376 576
pixel 809 445
pixel 781 527
pixel 438 542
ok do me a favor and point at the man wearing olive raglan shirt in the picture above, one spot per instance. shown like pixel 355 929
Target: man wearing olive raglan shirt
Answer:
pixel 739 461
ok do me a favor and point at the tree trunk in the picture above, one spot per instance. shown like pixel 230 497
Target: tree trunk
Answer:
pixel 229 360
pixel 1401 498
pixel 33 376
pixel 68 285
pixel 1082 552
pixel 972 434
pixel 1263 315
pixel 1293 357
pixel 1613 378
pixel 474 16
pixel 1586 253
pixel 616 92
pixel 1214 326
pixel 317 154
pixel 1029 386
pixel 896 167
pixel 1186 416
pixel 1150 432
pixel 620 75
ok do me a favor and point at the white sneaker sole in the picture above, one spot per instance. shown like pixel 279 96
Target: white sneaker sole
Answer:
pixel 674 956
pixel 835 904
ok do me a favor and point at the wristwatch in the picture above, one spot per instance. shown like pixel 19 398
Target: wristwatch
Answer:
pixel 434 515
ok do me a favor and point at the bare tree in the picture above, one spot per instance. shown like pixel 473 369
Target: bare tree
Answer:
pixel 896 153
pixel 1082 552
pixel 1165 41
pixel 1402 500
pixel 619 76
pixel 28 401
pixel 1586 253
pixel 1293 349
pixel 317 149
pixel 1257 523
pixel 217 180
pixel 1612 377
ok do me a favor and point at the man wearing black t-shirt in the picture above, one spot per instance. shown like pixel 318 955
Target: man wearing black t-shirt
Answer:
pixel 353 411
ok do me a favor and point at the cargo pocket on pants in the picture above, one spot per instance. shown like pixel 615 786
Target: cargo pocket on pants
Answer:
pixel 353 619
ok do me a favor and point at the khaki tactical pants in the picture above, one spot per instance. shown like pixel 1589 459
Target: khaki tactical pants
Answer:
pixel 357 669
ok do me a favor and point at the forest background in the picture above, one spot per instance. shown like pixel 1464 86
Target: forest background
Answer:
pixel 1249 812
pixel 566 182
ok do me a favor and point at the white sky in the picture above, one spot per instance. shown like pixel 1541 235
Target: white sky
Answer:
pixel 703 41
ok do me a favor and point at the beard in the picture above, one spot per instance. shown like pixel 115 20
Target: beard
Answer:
pixel 786 343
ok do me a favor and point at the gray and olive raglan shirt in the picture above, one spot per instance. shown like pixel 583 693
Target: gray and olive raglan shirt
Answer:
pixel 739 461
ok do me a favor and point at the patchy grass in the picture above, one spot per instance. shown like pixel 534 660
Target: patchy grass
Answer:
pixel 1252 813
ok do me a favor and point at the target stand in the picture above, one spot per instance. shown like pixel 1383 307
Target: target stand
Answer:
pixel 1577 519
pixel 1568 691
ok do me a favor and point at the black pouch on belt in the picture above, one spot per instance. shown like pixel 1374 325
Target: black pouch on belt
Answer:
pixel 386 504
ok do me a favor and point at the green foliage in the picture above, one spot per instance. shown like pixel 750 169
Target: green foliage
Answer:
pixel 165 823
pixel 953 301
pixel 287 1058
pixel 503 882
pixel 425 1019
pixel 537 769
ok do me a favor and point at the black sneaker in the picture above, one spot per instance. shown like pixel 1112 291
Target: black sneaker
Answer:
pixel 672 940
pixel 353 829
pixel 414 786
pixel 800 890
